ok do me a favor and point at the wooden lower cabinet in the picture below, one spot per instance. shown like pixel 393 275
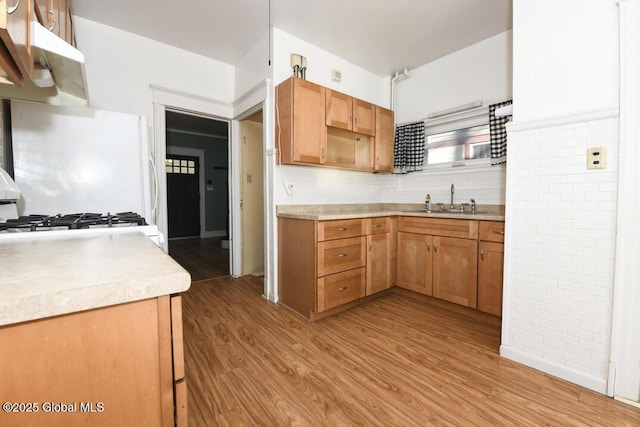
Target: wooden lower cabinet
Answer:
pixel 490 267
pixel 455 270
pixel 112 366
pixel 433 263
pixel 381 254
pixel 327 266
pixel 415 263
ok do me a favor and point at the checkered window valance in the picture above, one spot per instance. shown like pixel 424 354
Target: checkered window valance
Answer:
pixel 498 134
pixel 408 150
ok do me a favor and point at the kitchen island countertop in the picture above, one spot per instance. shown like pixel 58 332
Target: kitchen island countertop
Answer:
pixel 51 276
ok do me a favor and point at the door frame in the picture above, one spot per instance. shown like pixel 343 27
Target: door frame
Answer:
pixel 260 97
pixel 199 153
pixel 171 100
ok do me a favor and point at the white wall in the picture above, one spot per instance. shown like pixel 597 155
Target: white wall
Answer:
pixel 356 81
pixel 479 72
pixel 561 217
pixel 253 67
pixel 120 67
pixel 565 57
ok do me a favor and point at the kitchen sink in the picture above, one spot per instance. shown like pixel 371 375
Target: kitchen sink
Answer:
pixel 445 212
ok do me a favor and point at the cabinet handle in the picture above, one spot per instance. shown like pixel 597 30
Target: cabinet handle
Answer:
pixel 499 232
pixel 377 225
pixel 377 162
pixel 350 121
pixel 482 254
pixel 322 155
pixel 53 19
pixel 356 121
pixel 342 229
pixel 344 288
pixel 435 247
pixel 428 246
pixel 369 246
pixel 342 255
pixel 11 9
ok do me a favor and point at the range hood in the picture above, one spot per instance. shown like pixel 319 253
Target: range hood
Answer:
pixel 59 76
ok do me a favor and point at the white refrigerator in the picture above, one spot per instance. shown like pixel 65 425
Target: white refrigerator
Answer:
pixel 75 159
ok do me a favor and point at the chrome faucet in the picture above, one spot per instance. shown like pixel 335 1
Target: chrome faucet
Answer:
pixel 473 205
pixel 453 190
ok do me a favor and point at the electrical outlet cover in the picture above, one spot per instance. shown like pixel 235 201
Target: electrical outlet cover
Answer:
pixel 596 158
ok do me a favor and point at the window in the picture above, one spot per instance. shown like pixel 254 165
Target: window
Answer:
pixel 186 167
pixel 458 145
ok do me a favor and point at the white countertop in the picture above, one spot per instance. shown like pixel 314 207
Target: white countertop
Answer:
pixel 51 275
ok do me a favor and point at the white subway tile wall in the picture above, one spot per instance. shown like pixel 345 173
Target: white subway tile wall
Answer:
pixel 561 225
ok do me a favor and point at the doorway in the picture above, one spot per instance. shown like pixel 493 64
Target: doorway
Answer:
pixel 196 164
pixel 252 195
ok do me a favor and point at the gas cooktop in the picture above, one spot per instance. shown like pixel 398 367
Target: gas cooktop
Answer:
pixel 72 221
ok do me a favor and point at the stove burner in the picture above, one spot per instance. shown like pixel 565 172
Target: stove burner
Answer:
pixel 72 221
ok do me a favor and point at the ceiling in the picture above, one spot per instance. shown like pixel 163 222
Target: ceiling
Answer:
pixel 382 36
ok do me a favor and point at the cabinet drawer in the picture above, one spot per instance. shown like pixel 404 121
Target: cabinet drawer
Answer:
pixel 377 225
pixel 341 288
pixel 462 228
pixel 341 255
pixel 491 231
pixel 339 229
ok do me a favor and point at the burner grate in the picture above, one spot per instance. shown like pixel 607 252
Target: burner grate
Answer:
pixel 72 221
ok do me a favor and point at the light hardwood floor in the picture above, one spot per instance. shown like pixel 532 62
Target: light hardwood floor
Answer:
pixel 399 360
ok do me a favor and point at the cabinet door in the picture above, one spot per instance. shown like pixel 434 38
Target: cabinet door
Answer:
pixel 338 110
pixel 301 135
pixel 455 271
pixel 110 355
pixel 364 117
pixel 490 275
pixel 378 262
pixel 15 32
pixel 414 262
pixel 384 139
pixel 309 132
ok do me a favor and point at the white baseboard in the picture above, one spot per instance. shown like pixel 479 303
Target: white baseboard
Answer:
pixel 593 383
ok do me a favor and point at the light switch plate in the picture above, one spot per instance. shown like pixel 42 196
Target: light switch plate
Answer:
pixel 596 158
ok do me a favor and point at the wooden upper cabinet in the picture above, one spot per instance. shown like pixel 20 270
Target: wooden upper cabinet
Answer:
pixel 15 32
pixel 346 112
pixel 338 110
pixel 301 134
pixel 384 140
pixel 319 126
pixel 364 117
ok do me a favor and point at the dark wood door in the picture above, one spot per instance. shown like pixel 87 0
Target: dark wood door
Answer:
pixel 183 196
